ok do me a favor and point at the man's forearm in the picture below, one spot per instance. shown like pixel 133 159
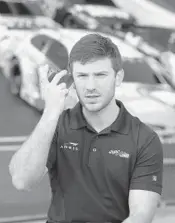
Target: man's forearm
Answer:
pixel 138 218
pixel 28 164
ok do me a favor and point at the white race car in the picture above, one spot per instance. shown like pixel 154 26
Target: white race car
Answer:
pixel 15 30
pixel 152 103
pixel 52 47
pixel 100 17
pixel 28 7
pixel 151 41
pixel 154 23
pixel 148 13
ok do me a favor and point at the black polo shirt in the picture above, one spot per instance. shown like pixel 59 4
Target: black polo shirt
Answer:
pixel 91 173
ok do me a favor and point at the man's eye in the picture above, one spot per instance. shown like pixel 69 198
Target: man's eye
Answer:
pixel 100 74
pixel 82 75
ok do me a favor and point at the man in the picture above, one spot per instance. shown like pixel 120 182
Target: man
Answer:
pixel 104 164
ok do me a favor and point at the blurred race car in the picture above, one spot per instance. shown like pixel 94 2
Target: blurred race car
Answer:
pixel 23 16
pixel 52 47
pixel 109 19
pixel 153 104
pixel 18 18
pixel 154 22
pixel 157 37
pixel 98 16
pixel 167 4
pixel 127 18
pixel 13 30
pixel 28 14
pixel 94 15
pixel 148 13
pixel 28 7
pixel 26 23
pixel 64 12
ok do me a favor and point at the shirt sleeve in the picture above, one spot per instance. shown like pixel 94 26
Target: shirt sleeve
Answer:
pixel 148 170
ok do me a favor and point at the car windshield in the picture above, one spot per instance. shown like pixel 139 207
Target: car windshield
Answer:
pixel 155 36
pixel 138 71
pixel 55 51
pixel 4 8
pixel 57 54
pixel 166 96
pixel 21 8
pixel 100 2
pixel 29 8
pixel 167 4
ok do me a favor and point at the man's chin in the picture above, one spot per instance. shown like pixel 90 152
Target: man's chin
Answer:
pixel 92 107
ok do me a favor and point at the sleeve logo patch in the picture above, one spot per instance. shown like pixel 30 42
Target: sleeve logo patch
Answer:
pixel 154 178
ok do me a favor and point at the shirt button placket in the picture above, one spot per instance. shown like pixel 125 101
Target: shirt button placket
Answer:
pixel 93 149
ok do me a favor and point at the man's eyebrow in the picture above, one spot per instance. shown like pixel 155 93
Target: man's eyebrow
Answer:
pixel 102 72
pixel 82 73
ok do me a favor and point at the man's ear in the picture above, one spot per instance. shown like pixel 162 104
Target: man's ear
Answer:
pixel 119 77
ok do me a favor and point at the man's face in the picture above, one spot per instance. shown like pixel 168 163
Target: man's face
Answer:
pixel 95 83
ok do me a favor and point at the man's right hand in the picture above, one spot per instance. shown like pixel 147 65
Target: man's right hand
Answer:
pixel 52 93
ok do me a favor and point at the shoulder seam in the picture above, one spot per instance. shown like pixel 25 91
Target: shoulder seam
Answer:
pixel 147 143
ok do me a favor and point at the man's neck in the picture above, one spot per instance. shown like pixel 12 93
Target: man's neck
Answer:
pixel 104 118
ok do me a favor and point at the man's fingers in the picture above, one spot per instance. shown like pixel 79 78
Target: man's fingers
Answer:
pixel 65 91
pixel 58 76
pixel 62 85
pixel 43 71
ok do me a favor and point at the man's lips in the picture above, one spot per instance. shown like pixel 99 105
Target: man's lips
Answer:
pixel 92 96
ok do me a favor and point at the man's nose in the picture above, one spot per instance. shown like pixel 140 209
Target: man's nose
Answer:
pixel 90 85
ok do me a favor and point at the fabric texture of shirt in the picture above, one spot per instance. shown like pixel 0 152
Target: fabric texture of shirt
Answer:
pixel 92 173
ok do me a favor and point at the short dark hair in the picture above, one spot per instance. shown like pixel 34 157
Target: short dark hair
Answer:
pixel 92 47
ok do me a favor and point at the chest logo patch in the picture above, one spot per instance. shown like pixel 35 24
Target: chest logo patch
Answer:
pixel 70 146
pixel 119 153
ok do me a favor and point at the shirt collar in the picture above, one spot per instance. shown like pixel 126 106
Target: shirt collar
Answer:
pixel 120 125
pixel 77 119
